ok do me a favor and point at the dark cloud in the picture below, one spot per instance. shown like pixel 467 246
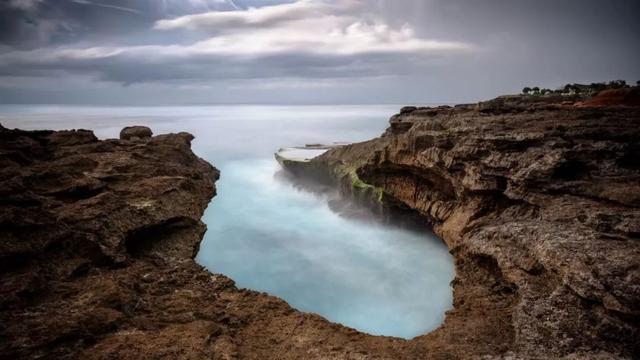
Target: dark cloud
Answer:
pixel 380 50
pixel 132 67
pixel 309 39
pixel 28 24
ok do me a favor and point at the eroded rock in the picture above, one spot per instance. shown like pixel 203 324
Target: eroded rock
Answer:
pixel 539 195
pixel 135 133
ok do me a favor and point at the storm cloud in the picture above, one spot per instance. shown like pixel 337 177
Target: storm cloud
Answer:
pixel 308 50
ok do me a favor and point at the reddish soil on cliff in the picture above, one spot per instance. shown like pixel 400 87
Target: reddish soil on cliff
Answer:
pixel 614 97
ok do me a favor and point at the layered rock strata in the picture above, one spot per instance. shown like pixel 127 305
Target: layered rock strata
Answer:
pixel 538 201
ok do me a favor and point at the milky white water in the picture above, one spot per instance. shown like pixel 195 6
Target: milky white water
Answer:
pixel 268 235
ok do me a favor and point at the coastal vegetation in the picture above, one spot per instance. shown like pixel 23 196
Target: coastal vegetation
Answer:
pixel 577 89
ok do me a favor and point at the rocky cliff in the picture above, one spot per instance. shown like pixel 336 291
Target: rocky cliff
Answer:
pixel 97 240
pixel 538 202
pixel 97 237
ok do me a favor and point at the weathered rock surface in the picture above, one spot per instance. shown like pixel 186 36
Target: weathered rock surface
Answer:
pixel 76 216
pixel 539 202
pixel 97 240
pixel 135 133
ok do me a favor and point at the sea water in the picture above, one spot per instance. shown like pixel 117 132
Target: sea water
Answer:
pixel 269 235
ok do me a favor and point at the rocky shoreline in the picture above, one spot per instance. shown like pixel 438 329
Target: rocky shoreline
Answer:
pixel 537 201
pixel 97 246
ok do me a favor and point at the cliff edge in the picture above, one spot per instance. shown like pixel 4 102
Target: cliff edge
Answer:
pixel 97 241
pixel 538 201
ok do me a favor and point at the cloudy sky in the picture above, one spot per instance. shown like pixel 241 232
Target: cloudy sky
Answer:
pixel 308 51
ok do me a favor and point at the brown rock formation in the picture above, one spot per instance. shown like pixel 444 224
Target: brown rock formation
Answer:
pixel 538 204
pixel 135 133
pixel 97 240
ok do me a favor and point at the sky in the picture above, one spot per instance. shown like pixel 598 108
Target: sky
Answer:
pixel 168 52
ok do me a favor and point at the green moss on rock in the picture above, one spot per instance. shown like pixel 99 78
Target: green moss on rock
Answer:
pixel 364 190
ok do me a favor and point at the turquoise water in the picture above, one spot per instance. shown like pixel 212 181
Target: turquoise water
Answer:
pixel 270 236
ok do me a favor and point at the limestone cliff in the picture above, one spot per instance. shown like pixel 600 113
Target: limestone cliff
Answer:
pixel 538 201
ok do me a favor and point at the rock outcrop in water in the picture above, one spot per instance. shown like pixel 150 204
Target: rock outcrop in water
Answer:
pixel 537 201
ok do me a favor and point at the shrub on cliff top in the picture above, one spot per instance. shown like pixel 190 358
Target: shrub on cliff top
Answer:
pixel 575 89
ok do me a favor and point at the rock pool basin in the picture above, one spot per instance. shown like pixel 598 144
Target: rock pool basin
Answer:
pixel 269 235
